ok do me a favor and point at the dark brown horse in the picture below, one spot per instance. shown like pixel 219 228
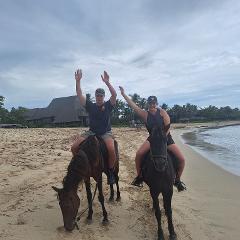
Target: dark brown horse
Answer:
pixel 159 174
pixel 90 161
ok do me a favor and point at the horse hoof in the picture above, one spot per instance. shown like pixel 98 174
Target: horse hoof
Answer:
pixel 88 220
pixel 110 199
pixel 160 235
pixel 118 199
pixel 105 222
pixel 173 236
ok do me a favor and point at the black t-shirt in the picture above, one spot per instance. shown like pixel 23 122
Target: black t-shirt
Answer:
pixel 99 117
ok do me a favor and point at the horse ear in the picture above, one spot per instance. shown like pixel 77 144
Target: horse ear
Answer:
pixel 56 189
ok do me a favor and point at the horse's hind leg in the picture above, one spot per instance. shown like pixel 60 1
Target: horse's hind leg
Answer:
pixel 89 198
pixel 117 170
pixel 167 199
pixel 112 190
pixel 118 191
pixel 111 193
pixel 154 196
pixel 101 200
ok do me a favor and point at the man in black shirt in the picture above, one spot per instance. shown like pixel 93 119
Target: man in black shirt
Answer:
pixel 99 118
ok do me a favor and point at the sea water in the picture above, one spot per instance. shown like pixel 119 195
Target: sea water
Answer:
pixel 219 145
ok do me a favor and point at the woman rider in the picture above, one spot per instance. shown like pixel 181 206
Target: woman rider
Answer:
pixel 155 115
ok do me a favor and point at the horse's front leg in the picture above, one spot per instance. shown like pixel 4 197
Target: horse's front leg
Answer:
pixel 156 207
pixel 101 200
pixel 89 198
pixel 167 200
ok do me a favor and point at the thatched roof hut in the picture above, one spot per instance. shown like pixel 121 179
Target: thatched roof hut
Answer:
pixel 59 111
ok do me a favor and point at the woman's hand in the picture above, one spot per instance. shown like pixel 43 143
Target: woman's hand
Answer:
pixel 122 90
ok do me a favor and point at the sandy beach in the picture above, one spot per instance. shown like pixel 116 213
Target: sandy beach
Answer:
pixel 33 160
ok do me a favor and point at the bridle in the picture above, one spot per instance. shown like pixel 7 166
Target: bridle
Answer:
pixel 162 156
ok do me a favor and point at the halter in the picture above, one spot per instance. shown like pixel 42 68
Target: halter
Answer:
pixel 164 163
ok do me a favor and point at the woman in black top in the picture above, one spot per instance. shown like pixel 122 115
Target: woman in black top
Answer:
pixel 154 116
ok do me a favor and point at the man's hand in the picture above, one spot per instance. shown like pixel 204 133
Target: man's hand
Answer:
pixel 78 75
pixel 121 89
pixel 105 77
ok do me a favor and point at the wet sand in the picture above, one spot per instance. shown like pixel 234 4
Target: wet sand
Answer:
pixel 32 160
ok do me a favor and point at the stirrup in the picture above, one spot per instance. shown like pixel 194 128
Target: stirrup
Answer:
pixel 180 185
pixel 138 181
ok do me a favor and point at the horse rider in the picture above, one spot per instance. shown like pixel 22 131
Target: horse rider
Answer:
pixel 155 115
pixel 99 119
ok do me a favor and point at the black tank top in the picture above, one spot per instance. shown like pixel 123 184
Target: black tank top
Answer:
pixel 153 120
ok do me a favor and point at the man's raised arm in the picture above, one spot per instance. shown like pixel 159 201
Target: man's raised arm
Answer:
pixel 105 78
pixel 78 77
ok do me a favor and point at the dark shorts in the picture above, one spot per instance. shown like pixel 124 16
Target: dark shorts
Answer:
pixel 170 140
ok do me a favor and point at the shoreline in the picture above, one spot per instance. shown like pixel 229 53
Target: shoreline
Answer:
pixel 208 150
pixel 213 193
pixel 213 124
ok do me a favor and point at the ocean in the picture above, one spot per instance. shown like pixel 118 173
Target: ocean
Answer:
pixel 219 145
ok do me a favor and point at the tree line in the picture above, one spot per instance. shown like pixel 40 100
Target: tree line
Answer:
pixel 15 115
pixel 185 113
pixel 122 114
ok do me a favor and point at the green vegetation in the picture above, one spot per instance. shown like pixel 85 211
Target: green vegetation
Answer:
pixel 13 116
pixel 122 114
pixel 186 113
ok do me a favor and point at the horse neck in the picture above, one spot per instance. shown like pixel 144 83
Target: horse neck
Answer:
pixel 73 177
pixel 70 183
pixel 158 147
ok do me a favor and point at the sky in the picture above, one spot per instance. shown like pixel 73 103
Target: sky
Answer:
pixel 184 51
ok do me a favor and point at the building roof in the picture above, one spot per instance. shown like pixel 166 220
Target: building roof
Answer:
pixel 62 110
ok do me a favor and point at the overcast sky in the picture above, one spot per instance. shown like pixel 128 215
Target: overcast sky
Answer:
pixel 179 50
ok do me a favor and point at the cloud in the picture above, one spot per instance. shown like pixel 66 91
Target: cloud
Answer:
pixel 180 51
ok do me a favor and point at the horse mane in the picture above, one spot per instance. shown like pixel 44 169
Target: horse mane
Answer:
pixel 77 169
pixel 81 164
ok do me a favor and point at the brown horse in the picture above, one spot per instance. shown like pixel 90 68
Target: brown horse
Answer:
pixel 90 161
pixel 158 170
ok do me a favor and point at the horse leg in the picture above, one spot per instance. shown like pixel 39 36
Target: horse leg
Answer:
pixel 167 199
pixel 101 200
pixel 89 198
pixel 156 207
pixel 118 191
pixel 111 193
pixel 117 170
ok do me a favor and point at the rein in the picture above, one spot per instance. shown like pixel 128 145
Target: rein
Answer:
pixel 79 216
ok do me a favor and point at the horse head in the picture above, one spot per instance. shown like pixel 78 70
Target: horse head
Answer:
pixel 158 147
pixel 68 199
pixel 69 203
